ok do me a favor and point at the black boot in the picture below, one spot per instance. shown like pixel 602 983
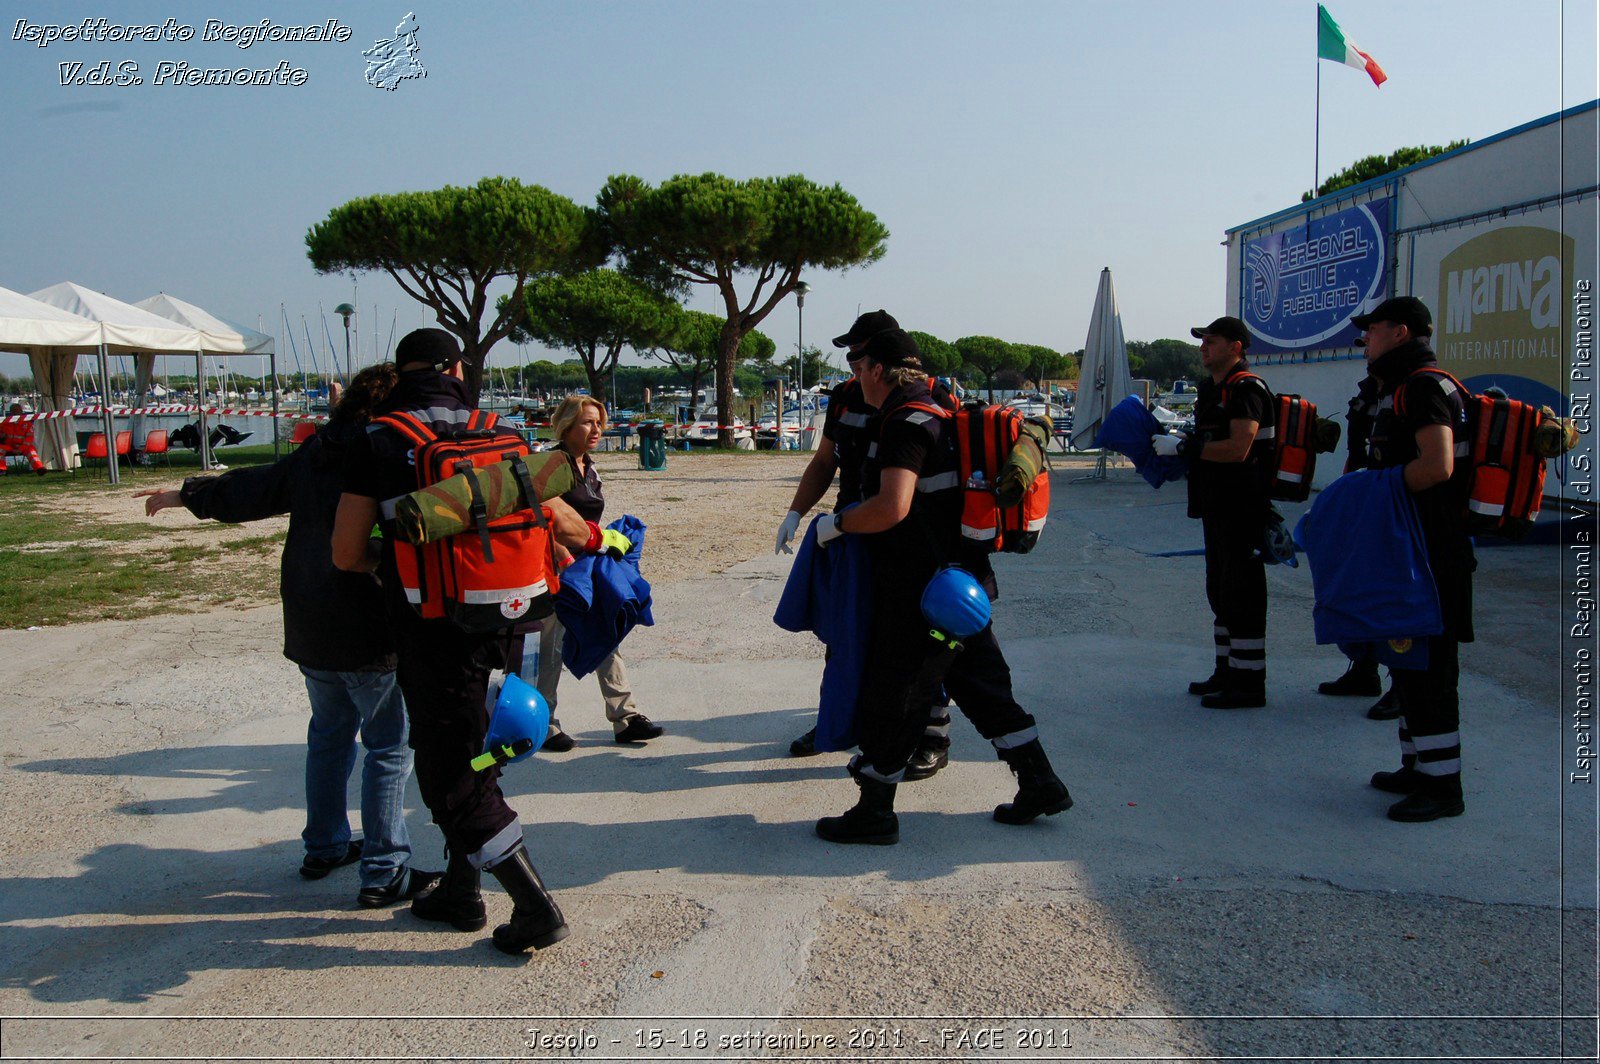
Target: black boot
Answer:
pixel 1361 679
pixel 1434 799
pixel 1246 689
pixel 1406 780
pixel 536 920
pixel 1385 708
pixel 1213 684
pixel 929 759
pixel 1039 791
pixel 871 820
pixel 455 900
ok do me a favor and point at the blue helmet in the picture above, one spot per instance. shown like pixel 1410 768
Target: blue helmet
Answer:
pixel 955 603
pixel 520 712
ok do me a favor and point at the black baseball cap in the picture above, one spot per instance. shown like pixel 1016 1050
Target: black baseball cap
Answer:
pixel 893 347
pixel 866 327
pixel 427 345
pixel 1227 328
pixel 1401 310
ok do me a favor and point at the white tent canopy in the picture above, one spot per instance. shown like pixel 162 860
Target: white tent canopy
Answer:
pixel 123 325
pixel 222 336
pixel 179 328
pixel 26 323
pixel 52 339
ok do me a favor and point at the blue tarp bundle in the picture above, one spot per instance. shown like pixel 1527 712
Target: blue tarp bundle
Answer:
pixel 601 599
pixel 1369 566
pixel 1127 429
pixel 829 593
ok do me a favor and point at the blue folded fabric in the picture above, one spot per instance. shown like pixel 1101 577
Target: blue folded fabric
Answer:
pixel 1126 429
pixel 829 593
pixel 1369 564
pixel 601 600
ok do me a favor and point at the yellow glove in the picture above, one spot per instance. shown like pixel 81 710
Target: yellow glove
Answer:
pixel 614 543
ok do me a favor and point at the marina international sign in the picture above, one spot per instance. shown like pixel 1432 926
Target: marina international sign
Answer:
pixel 1302 284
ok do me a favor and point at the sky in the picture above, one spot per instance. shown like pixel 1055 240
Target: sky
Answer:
pixel 1013 148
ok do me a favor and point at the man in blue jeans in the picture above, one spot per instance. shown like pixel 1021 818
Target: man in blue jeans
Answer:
pixel 334 630
pixel 344 704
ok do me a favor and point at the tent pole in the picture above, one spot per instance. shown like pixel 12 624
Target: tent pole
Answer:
pixel 200 379
pixel 105 416
pixel 272 361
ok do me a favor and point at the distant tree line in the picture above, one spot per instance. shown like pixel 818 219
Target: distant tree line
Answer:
pixel 597 281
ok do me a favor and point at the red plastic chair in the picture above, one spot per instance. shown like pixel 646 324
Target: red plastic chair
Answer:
pixel 303 431
pixel 96 448
pixel 124 444
pixel 156 442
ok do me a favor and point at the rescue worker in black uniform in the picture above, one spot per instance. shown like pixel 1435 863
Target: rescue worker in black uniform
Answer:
pixel 444 671
pixel 910 514
pixel 841 450
pixel 1229 482
pixel 1421 426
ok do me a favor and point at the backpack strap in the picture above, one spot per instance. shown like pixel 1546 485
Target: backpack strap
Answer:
pixel 938 412
pixel 1267 432
pixel 1234 378
pixel 408 425
pixel 932 408
pixel 1432 371
pixel 1466 445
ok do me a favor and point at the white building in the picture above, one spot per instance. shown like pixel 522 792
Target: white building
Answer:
pixel 1498 238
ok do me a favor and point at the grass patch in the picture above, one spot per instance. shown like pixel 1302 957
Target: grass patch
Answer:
pixel 62 562
pixel 75 584
pixel 273 541
pixel 24 526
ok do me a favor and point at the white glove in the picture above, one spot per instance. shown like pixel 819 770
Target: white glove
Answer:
pixel 828 530
pixel 1168 445
pixel 786 531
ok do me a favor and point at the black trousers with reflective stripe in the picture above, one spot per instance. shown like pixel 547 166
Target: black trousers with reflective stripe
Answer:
pixel 444 675
pixel 901 682
pixel 1430 708
pixel 1236 582
pixel 979 682
pixel 901 678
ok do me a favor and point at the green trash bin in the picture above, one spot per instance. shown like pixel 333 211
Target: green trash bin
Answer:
pixel 652 445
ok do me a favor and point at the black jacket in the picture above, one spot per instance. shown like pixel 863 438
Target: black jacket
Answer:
pixel 332 620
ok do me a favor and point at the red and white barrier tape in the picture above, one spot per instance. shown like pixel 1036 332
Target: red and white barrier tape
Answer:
pixel 229 411
pixel 166 408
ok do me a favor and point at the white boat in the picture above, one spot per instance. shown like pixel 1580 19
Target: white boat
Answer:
pixel 707 425
pixel 1034 404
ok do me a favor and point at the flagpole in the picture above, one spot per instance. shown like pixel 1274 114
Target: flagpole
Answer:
pixel 1316 135
pixel 1316 149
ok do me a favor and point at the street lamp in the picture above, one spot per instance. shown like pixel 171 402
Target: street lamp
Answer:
pixel 800 290
pixel 344 310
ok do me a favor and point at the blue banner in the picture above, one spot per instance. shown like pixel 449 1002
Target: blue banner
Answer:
pixel 1302 285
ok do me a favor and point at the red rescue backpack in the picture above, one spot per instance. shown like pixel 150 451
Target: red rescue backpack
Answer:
pixel 986 437
pixel 490 577
pixel 1506 479
pixel 1294 442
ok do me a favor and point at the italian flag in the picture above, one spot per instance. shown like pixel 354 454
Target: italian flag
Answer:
pixel 1333 44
